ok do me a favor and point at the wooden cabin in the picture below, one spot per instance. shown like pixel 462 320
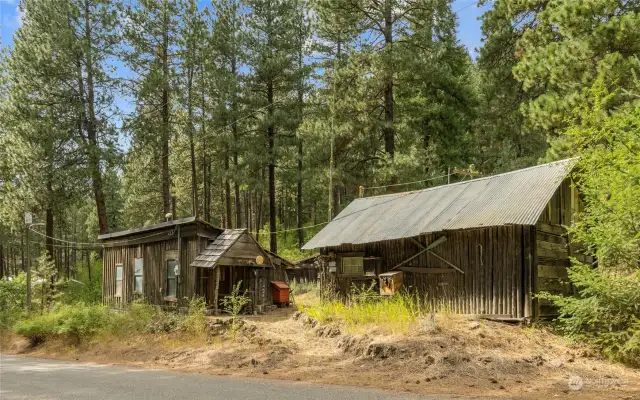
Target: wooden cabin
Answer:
pixel 305 270
pixel 181 259
pixel 482 247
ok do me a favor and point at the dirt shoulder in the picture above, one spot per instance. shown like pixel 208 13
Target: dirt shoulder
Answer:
pixel 448 355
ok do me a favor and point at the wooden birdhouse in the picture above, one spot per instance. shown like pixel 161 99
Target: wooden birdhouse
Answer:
pixel 390 283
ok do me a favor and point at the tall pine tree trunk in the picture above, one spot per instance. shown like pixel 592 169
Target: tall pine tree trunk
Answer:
pixel 299 214
pixel 273 238
pixel 91 126
pixel 388 128
pixel 192 147
pixel 49 229
pixel 234 131
pixel 166 178
pixel 227 192
pixel 2 265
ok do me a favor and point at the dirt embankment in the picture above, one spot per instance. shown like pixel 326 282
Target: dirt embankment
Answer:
pixel 448 354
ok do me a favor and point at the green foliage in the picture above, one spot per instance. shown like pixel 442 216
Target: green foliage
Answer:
pixel 298 287
pixel 607 311
pixel 233 305
pixel 76 322
pixel 605 314
pixel 396 314
pixel 44 288
pixel 12 300
pixel 195 320
pixel 79 322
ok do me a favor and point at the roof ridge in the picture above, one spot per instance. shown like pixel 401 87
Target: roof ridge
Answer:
pixel 566 160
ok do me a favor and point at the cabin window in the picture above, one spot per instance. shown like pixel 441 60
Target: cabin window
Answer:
pixel 138 276
pixel 119 280
pixel 352 266
pixel 171 278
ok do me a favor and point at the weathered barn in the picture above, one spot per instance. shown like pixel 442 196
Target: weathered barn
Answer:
pixel 483 246
pixel 184 258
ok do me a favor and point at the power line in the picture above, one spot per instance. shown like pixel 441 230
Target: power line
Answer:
pixel 94 244
pixel 407 183
pixel 467 6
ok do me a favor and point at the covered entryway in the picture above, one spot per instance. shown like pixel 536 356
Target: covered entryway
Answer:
pixel 234 257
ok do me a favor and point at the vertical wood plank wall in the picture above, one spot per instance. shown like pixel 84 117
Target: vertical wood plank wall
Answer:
pixel 154 270
pixel 493 261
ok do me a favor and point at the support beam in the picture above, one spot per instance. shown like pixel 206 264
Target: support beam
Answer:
pixel 428 248
pixel 216 290
pixel 438 242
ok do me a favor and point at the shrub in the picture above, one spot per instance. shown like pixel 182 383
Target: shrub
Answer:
pixel 233 305
pixel 77 322
pixel 606 313
pixel 195 321
pixel 12 300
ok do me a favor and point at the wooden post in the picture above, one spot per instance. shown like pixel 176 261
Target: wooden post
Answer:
pixel 216 286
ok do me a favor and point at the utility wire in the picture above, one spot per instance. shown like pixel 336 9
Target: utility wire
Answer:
pixel 94 244
pixel 407 183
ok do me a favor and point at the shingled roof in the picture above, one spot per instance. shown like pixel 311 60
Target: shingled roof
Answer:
pixel 232 247
pixel 512 198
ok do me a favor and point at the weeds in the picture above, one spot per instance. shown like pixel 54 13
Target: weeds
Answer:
pixel 303 287
pixel 397 314
pixel 80 322
pixel 233 305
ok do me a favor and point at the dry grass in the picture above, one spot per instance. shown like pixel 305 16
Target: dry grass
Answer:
pixel 445 354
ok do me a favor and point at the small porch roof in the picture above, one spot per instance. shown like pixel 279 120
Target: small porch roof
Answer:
pixel 233 247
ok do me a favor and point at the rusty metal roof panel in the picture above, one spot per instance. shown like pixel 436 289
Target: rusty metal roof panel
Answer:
pixel 512 198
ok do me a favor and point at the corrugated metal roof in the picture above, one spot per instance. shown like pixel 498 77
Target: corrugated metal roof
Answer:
pixel 148 228
pixel 209 257
pixel 513 198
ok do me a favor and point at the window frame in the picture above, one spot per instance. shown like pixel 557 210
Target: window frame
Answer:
pixel 359 272
pixel 136 275
pixel 118 288
pixel 175 279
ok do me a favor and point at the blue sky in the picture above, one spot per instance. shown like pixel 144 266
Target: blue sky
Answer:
pixel 468 34
pixel 468 29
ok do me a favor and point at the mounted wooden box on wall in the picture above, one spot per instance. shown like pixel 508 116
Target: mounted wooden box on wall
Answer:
pixel 390 283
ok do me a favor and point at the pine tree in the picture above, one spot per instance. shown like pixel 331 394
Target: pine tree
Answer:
pixel 271 50
pixel 151 30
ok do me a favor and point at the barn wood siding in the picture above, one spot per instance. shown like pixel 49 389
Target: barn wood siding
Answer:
pixel 154 270
pixel 492 260
pixel 553 246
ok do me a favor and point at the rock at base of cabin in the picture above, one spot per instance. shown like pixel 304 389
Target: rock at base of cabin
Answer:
pixel 327 331
pixel 353 343
pixel 474 325
pixel 537 360
pixel 380 350
pixel 556 363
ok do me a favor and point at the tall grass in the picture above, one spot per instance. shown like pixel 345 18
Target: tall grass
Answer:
pixel 80 321
pixel 298 287
pixel 364 309
pixel 397 314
